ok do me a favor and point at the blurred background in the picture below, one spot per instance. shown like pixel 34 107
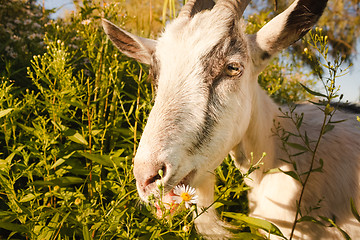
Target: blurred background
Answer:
pixel 341 19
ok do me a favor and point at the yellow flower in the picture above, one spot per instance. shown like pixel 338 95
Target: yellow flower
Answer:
pixel 186 228
pixel 77 201
pixel 185 194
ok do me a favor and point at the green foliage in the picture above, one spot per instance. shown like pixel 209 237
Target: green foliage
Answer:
pixel 67 141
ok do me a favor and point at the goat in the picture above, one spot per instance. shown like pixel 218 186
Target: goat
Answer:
pixel 208 104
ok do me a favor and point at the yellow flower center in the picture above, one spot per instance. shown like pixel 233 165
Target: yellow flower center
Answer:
pixel 185 196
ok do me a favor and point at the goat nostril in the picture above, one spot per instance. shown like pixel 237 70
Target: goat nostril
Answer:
pixel 159 175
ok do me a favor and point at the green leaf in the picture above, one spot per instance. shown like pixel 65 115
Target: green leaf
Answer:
pixel 66 181
pixel 14 227
pixel 273 170
pixel 307 141
pixel 29 197
pixel 118 153
pixel 292 174
pixel 58 163
pixel 345 235
pixel 340 121
pixel 328 128
pixel 6 214
pixel 297 146
pixel 86 232
pixel 247 236
pixel 298 154
pixel 318 169
pixel 255 222
pixel 313 92
pixel 74 136
pixel 299 121
pixel 309 219
pixel 30 130
pixel 62 181
pixel 101 159
pixel 353 210
pixel 62 160
pixel 5 112
pixel 75 103
pixel 320 103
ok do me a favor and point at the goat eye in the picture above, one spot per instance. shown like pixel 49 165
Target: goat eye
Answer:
pixel 234 69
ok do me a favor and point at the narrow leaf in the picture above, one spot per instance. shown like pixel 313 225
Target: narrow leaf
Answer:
pixel 29 197
pixel 273 170
pixel 299 121
pixel 247 236
pixel 62 160
pixel 345 235
pixel 75 103
pixel 101 159
pixel 58 163
pixel 298 153
pixel 340 121
pixel 255 222
pixel 318 104
pixel 328 128
pixel 307 142
pixel 292 174
pixel 66 181
pixel 13 227
pixel 74 136
pixel 86 232
pixel 309 219
pixel 4 214
pixel 5 112
pixel 62 181
pixel 297 146
pixel 313 92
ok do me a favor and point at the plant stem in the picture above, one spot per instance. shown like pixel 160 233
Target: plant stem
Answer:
pixel 308 176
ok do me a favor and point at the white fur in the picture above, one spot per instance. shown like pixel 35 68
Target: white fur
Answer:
pixel 273 196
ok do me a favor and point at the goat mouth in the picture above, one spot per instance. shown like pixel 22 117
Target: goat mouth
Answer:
pixel 167 202
pixel 187 179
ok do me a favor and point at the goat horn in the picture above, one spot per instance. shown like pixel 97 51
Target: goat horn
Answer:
pixel 236 7
pixel 194 6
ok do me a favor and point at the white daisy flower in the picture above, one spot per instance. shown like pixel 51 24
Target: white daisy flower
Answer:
pixel 185 194
pixel 86 22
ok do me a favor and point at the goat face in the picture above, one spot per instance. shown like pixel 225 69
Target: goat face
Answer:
pixel 205 69
pixel 203 80
pixel 203 77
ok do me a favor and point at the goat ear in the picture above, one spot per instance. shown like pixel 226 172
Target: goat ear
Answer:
pixel 285 29
pixel 133 46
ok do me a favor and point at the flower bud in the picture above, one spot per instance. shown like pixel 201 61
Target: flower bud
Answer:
pixel 77 201
pixel 161 173
pixel 186 228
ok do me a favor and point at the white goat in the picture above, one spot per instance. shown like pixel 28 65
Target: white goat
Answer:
pixel 208 103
